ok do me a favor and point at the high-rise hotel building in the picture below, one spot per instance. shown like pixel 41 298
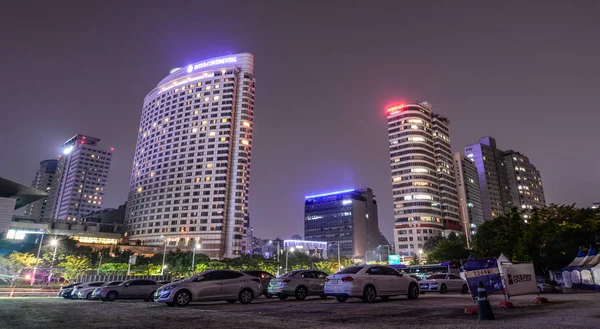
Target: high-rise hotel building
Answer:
pixel 42 181
pixel 191 170
pixel 78 185
pixel 424 189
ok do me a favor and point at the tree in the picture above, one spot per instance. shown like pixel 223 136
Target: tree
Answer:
pixel 451 248
pixel 416 259
pixel 114 268
pixel 75 266
pixel 500 235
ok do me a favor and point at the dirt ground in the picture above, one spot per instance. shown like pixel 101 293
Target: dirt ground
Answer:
pixel 430 311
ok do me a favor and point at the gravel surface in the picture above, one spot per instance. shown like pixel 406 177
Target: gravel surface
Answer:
pixel 430 311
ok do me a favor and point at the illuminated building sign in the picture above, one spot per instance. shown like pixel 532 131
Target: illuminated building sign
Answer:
pixel 328 194
pixel 395 108
pixel 219 61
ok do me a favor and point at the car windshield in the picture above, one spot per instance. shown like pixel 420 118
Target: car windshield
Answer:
pixel 350 270
pixel 115 283
pixel 436 277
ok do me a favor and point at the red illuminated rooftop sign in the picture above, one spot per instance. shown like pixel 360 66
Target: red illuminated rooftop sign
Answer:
pixel 395 108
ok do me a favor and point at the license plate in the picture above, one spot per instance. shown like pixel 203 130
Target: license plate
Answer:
pixel 334 281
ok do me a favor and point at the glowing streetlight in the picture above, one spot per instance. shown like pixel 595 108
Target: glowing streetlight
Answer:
pixel 53 242
pixel 196 247
pixel 286 257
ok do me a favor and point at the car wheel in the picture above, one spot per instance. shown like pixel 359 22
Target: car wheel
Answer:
pixel 539 290
pixel 369 294
pixel 150 297
pixel 341 299
pixel 89 296
pixel 231 301
pixel 465 289
pixel 170 304
pixel 301 293
pixel 443 289
pixel 111 296
pixel 246 296
pixel 182 298
pixel 413 291
pixel 268 296
pixel 323 296
pixel 384 297
pixel 282 297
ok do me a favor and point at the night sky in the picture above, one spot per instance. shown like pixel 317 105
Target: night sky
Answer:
pixel 526 73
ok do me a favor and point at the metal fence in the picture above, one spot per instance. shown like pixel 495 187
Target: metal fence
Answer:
pixel 115 277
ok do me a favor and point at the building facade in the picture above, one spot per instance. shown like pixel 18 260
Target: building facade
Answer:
pixel 493 178
pixel 469 194
pixel 424 191
pixel 42 181
pixel 78 185
pixel 191 169
pixel 525 183
pixel 506 179
pixel 346 218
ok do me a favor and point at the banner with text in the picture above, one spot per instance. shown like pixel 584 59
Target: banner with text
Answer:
pixel 519 279
pixel 485 270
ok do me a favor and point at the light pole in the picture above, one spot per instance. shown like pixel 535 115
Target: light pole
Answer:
pixel 162 269
pixel 286 257
pixel 53 242
pixel 339 262
pixel 197 246
pixel 38 257
pixel 99 263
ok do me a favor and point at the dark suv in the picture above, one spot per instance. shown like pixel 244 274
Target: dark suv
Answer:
pixel 265 278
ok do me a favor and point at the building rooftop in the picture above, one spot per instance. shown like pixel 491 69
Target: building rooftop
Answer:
pixel 22 193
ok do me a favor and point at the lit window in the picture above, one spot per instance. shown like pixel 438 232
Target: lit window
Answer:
pixel 209 165
pixel 216 98
pixel 246 124
pixel 212 133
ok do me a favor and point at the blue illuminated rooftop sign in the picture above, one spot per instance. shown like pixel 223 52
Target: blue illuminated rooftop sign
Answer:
pixel 328 194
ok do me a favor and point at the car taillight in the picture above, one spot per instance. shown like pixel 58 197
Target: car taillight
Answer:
pixel 262 276
pixel 347 279
pixel 326 279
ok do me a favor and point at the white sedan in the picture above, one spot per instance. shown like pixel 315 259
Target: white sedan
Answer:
pixel 444 283
pixel 369 282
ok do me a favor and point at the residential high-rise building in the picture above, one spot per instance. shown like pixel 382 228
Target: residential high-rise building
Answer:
pixel 493 177
pixel 191 170
pixel 348 218
pixel 78 185
pixel 525 182
pixel 469 194
pixel 506 179
pixel 424 191
pixel 42 181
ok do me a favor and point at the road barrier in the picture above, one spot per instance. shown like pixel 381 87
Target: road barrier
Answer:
pixel 107 278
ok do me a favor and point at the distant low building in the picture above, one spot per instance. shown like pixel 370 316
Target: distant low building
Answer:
pixel 312 248
pixel 108 215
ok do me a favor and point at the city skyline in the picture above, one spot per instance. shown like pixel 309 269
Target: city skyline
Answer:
pixel 489 79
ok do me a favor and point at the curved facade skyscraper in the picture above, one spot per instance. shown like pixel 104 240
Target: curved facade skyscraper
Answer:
pixel 191 170
pixel 424 192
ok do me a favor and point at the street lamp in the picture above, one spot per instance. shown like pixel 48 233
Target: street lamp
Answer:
pixel 286 257
pixel 339 262
pixel 53 242
pixel 162 270
pixel 197 246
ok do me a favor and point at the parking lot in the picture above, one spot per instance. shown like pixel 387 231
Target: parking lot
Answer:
pixel 430 310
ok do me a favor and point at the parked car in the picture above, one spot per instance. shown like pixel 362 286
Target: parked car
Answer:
pixel 88 286
pixel 130 289
pixel 300 284
pixel 265 279
pixel 369 282
pixel 547 287
pixel 416 277
pixel 65 291
pixel 89 293
pixel 213 285
pixel 444 283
